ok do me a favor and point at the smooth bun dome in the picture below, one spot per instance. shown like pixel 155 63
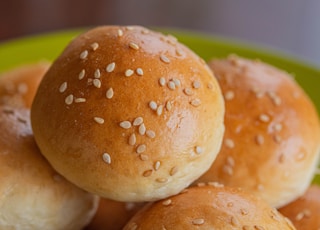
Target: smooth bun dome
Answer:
pixel 19 85
pixel 304 212
pixel 272 138
pixel 113 215
pixel 208 207
pixel 129 114
pixel 33 195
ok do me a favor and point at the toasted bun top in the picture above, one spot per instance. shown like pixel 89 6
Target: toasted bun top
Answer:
pixel 209 207
pixel 272 139
pixel 19 85
pixel 33 195
pixel 304 212
pixel 129 114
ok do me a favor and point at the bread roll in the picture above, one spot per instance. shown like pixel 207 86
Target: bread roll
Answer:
pixel 304 212
pixel 129 114
pixel 272 139
pixel 33 195
pixel 19 85
pixel 207 208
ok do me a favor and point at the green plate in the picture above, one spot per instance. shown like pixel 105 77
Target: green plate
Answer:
pixel 49 46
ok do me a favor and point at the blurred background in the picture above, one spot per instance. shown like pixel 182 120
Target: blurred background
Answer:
pixel 290 26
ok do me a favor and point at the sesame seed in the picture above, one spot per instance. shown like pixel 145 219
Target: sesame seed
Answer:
pixel 139 71
pixel 144 157
pixel 84 54
pixel 230 161
pixel 210 86
pixel 196 102
pixel 132 139
pixel 63 87
pixel 162 81
pixel 188 91
pixel 129 72
pixel 99 120
pixel 234 221
pixel 157 165
pixel 168 105
pixel 278 127
pixel 120 32
pixel 69 99
pixel 153 105
pixel 81 74
pixel 179 52
pixel 277 139
pixel 228 169
pixel 106 157
pixel 129 27
pixel 167 202
pixel 164 58
pixel 79 100
pixel 244 212
pixel 97 83
pixel 259 139
pixel 125 124
pixel 110 68
pixel 173 170
pixel 177 82
pixel 22 88
pixel 145 31
pixel 256 227
pixel 196 84
pixel 94 46
pixel 97 73
pixel 147 173
pixel 229 143
pixel 109 93
pixel 260 187
pixel 142 129
pixel 133 226
pixel 137 121
pixel 159 110
pixel 162 180
pixel 230 204
pixel 229 95
pixel 171 85
pixel 198 221
pixel 151 133
pixel 215 184
pixel 141 148
pixel 264 118
pixel 133 45
pixel 199 150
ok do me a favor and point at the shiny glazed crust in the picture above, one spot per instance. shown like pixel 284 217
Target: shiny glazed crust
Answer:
pixel 129 114
pixel 208 207
pixel 272 139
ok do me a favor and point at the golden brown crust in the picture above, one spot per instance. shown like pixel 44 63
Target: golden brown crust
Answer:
pixel 113 215
pixel 304 212
pixel 33 195
pixel 271 143
pixel 87 128
pixel 208 207
pixel 18 86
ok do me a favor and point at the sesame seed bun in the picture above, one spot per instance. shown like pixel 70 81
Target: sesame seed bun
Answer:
pixel 19 85
pixel 33 195
pixel 129 114
pixel 209 207
pixel 304 212
pixel 272 139
pixel 113 215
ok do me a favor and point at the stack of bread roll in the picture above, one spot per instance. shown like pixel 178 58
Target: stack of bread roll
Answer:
pixel 133 130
